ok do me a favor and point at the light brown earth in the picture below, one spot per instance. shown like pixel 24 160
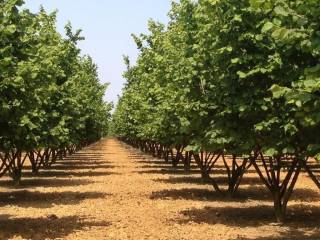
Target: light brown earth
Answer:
pixel 112 191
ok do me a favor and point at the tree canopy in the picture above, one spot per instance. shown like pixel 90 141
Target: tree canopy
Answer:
pixel 235 77
pixel 50 94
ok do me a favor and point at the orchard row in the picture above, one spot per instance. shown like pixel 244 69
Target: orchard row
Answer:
pixel 51 101
pixel 231 81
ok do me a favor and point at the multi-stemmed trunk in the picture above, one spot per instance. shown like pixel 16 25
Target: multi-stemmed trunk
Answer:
pixel 4 163
pixel 187 161
pixel 311 174
pixel 205 162
pixel 281 188
pixel 178 156
pixel 15 165
pixel 166 155
pixel 235 172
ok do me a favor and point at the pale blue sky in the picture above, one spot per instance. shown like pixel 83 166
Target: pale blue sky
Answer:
pixel 107 26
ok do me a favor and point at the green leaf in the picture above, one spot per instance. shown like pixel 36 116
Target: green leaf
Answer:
pixel 270 152
pixel 281 34
pixel 235 60
pixel 278 91
pixel 11 29
pixel 279 10
pixel 259 127
pixel 237 18
pixel 242 108
pixel 229 49
pixel 288 150
pixel 193 148
pixel 298 103
pixel 267 27
pixel 290 129
pixel 241 74
pixel 313 149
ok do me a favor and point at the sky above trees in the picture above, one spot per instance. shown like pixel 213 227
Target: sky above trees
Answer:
pixel 107 26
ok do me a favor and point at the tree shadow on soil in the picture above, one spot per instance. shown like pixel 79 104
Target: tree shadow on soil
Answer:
pixel 141 159
pixel 194 194
pixel 50 227
pixel 30 183
pixel 81 167
pixel 169 171
pixel 243 194
pixel 259 192
pixel 199 181
pixel 183 180
pixel 179 171
pixel 145 161
pixel 46 199
pixel 77 161
pixel 87 153
pixel 291 234
pixel 138 156
pixel 65 174
pixel 165 166
pixel 253 216
pixel 83 162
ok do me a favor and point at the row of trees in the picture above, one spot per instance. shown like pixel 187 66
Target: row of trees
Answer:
pixel 231 81
pixel 51 101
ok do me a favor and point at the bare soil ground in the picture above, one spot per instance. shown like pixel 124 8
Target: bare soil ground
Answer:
pixel 112 191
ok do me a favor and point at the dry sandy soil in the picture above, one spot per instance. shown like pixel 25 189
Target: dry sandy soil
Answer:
pixel 112 191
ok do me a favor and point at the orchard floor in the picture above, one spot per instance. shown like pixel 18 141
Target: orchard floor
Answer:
pixel 112 191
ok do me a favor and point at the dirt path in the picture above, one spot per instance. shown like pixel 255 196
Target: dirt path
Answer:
pixel 111 191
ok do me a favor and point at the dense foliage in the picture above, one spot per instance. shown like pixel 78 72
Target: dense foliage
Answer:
pixel 51 101
pixel 232 81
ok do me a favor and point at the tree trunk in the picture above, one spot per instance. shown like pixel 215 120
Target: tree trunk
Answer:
pixel 204 172
pixel 279 207
pixel 166 156
pixel 16 176
pixel 280 188
pixel 187 162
